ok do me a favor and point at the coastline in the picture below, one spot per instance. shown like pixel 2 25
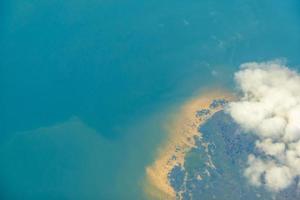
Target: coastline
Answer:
pixel 180 130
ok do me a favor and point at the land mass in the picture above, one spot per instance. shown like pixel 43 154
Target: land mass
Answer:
pixel 181 133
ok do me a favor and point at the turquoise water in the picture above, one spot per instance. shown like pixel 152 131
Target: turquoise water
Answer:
pixel 86 84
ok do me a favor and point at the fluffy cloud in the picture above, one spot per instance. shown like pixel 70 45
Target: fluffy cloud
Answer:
pixel 270 108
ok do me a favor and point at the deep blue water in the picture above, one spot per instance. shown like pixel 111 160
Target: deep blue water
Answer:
pixel 115 66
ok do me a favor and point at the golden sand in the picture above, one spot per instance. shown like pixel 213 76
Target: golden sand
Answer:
pixel 181 131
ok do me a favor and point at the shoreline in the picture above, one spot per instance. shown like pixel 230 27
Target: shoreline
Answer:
pixel 180 129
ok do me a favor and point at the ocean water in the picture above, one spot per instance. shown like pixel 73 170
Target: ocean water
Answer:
pixel 86 85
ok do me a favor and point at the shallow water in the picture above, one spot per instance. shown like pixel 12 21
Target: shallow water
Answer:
pixel 117 68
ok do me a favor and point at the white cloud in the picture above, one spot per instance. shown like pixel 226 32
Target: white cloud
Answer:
pixel 270 108
pixel 278 177
pixel 271 148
